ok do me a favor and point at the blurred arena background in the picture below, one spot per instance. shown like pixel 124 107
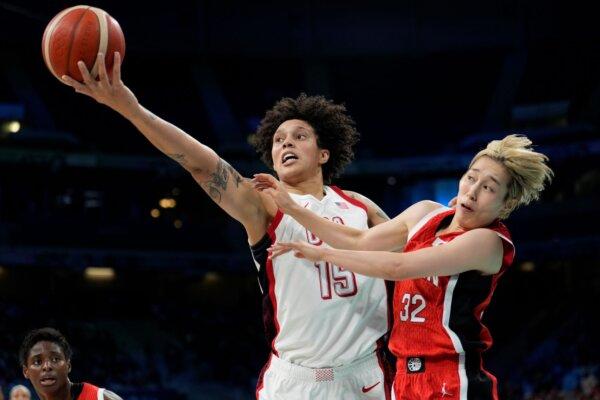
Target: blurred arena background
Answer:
pixel 112 243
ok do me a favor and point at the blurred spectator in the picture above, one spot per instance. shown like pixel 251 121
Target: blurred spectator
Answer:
pixel 19 392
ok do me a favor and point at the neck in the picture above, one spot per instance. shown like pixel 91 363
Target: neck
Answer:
pixel 63 393
pixel 453 226
pixel 312 186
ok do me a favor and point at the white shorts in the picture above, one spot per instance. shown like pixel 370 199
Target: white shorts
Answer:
pixel 364 379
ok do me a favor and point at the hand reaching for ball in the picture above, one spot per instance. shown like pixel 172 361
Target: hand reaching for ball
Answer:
pixel 106 90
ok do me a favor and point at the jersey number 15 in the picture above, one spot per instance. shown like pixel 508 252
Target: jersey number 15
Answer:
pixel 344 282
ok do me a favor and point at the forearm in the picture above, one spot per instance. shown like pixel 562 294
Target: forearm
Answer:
pixel 378 264
pixel 336 235
pixel 172 141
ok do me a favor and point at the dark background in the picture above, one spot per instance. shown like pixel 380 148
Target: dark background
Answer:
pixel 428 83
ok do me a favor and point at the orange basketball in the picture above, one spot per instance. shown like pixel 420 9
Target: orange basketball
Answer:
pixel 80 33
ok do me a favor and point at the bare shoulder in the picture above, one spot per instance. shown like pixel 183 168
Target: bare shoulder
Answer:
pixel 108 395
pixel 413 214
pixel 375 213
pixel 426 206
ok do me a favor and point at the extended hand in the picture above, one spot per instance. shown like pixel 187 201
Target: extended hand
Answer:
pixel 300 249
pixel 111 92
pixel 268 184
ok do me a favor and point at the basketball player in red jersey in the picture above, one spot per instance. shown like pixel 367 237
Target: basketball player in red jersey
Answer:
pixel 307 141
pixel 447 273
pixel 45 356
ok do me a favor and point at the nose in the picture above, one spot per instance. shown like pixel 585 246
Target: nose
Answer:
pixel 472 193
pixel 288 142
pixel 46 365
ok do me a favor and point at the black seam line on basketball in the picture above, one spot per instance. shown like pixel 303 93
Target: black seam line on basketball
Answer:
pixel 72 37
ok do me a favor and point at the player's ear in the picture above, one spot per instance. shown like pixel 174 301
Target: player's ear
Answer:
pixel 25 371
pixel 323 156
pixel 509 206
pixel 69 366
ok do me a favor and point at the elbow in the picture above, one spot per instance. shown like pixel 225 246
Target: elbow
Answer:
pixel 393 270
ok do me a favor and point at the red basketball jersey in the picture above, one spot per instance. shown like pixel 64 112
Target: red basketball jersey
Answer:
pixel 91 392
pixel 438 318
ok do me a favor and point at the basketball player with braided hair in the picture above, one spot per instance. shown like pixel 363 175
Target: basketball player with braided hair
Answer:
pixel 447 273
pixel 45 356
pixel 325 325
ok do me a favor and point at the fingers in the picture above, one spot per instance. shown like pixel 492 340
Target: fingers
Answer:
pixel 79 87
pixel 116 72
pixel 102 75
pixel 85 74
pixel 279 248
pixel 452 203
pixel 266 179
pixel 261 185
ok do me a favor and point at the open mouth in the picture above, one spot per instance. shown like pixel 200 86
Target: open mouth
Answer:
pixel 48 381
pixel 288 158
pixel 466 207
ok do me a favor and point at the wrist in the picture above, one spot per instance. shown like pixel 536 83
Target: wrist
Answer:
pixel 325 253
pixel 293 209
pixel 135 112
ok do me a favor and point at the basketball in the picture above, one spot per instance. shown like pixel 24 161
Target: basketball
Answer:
pixel 80 33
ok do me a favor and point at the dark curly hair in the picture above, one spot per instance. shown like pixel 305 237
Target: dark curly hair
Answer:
pixel 43 335
pixel 336 130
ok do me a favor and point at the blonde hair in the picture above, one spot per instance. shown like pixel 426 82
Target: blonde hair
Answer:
pixel 527 168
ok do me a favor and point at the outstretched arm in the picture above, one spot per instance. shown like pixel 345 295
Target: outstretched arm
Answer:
pixel 219 179
pixel 478 249
pixel 386 235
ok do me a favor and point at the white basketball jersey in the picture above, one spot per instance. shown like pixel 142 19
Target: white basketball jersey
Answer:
pixel 316 314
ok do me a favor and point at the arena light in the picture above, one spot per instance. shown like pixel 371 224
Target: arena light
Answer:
pixel 178 224
pixel 211 278
pixel 99 273
pixel 167 202
pixel 155 213
pixel 14 126
pixel 11 126
pixel 527 266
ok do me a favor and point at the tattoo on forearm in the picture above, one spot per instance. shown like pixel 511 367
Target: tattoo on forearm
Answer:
pixel 152 116
pixel 217 183
pixel 236 177
pixel 179 157
pixel 378 211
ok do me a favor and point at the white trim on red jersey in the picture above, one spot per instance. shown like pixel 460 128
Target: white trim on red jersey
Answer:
pixel 424 220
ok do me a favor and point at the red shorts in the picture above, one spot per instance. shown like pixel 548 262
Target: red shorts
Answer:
pixel 420 378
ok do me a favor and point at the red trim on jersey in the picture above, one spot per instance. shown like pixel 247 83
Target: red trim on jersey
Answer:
pixel 89 392
pixel 349 199
pixel 261 377
pixel 274 224
pixel 271 277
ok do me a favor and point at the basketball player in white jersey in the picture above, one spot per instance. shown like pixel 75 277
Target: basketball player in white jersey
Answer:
pixel 324 325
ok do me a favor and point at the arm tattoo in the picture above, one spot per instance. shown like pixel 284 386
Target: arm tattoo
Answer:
pixel 217 183
pixel 179 157
pixel 380 213
pixel 237 178
pixel 152 116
